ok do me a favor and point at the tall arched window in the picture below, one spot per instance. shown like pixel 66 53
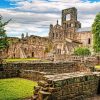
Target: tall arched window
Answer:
pixel 68 17
pixel 89 41
pixel 72 25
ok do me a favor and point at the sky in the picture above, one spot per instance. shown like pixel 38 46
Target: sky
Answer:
pixel 35 16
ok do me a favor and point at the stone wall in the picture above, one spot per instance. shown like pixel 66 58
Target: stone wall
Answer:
pixel 86 38
pixel 68 86
pixel 52 69
pixel 7 71
pixel 28 47
pixel 14 69
pixel 70 25
pixel 71 80
pixel 32 75
pixel 87 60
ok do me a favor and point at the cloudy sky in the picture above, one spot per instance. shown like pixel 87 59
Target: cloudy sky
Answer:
pixel 35 16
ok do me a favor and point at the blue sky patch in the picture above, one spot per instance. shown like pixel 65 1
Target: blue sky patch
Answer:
pixel 12 4
pixel 7 4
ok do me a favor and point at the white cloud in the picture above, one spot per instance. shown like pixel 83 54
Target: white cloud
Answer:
pixel 35 16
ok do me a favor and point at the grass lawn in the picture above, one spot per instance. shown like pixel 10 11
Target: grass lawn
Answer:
pixel 21 59
pixel 24 59
pixel 97 67
pixel 16 88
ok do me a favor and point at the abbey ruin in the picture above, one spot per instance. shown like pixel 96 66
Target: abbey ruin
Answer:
pixel 63 77
pixel 62 40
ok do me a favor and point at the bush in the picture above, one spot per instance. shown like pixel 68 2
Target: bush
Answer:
pixel 82 52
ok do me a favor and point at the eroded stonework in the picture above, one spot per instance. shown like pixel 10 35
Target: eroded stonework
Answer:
pixel 69 35
pixel 62 40
pixel 29 47
pixel 68 26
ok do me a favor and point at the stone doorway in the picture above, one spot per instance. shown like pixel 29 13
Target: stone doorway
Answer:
pixel 32 54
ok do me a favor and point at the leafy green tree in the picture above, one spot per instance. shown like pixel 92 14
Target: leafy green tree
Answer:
pixel 3 36
pixel 96 33
pixel 82 51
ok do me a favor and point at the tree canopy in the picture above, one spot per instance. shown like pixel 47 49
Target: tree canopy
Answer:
pixel 96 33
pixel 82 51
pixel 3 36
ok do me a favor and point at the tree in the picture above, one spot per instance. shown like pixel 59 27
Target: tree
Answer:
pixel 82 51
pixel 96 33
pixel 3 36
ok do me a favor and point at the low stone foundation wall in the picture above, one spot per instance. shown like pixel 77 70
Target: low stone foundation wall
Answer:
pixel 48 67
pixel 8 71
pixel 71 80
pixel 32 75
pixel 14 69
pixel 93 59
pixel 67 86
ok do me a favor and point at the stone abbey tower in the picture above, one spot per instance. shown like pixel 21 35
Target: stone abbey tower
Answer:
pixel 69 35
pixel 70 26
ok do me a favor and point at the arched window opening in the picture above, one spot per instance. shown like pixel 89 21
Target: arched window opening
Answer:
pixel 72 25
pixel 67 17
pixel 89 41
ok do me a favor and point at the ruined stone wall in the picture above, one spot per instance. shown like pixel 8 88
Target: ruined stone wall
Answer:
pixel 69 86
pixel 70 25
pixel 8 71
pixel 28 47
pixel 56 32
pixel 51 68
pixel 86 38
pixel 32 75
pixel 14 69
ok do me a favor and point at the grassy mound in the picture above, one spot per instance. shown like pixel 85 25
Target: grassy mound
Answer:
pixel 16 88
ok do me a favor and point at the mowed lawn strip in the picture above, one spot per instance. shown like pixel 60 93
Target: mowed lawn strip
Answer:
pixel 24 59
pixel 97 67
pixel 16 88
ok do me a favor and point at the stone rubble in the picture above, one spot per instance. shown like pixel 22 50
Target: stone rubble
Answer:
pixel 68 86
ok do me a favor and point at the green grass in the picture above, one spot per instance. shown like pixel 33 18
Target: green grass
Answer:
pixel 16 88
pixel 24 59
pixel 97 67
pixel 21 59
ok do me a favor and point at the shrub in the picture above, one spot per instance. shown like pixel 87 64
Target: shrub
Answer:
pixel 82 51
